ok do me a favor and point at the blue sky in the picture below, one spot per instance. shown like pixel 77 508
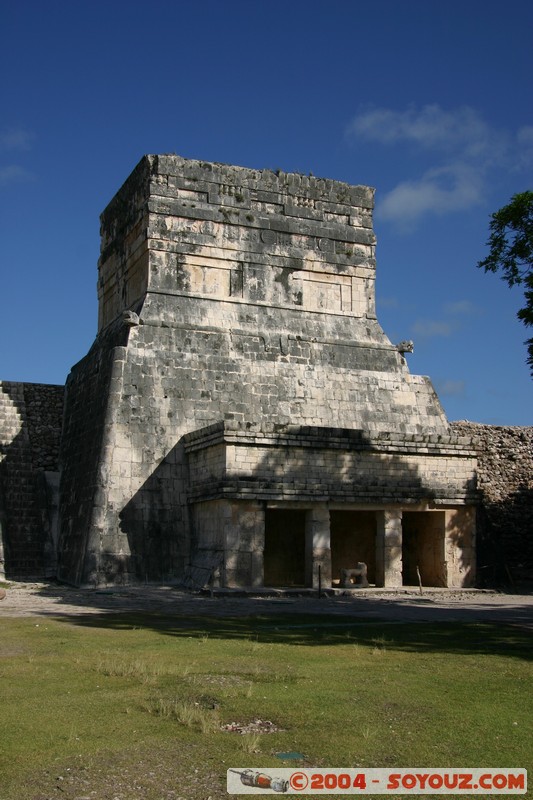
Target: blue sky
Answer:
pixel 429 102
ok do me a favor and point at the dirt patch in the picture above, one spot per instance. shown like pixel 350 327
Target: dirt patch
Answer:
pixel 254 726
pixel 165 773
pixel 48 599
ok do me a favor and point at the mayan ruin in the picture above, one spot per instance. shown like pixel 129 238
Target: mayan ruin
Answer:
pixel 241 420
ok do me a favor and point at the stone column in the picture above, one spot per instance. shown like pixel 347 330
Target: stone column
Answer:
pixel 317 547
pixel 389 548
pixel 244 543
pixel 460 546
pixel 257 571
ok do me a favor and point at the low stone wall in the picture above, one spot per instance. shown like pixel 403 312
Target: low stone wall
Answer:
pixel 505 484
pixel 30 432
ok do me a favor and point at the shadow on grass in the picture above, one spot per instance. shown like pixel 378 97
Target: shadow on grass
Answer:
pixel 321 630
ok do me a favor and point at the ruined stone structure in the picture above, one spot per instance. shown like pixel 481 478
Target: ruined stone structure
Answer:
pixel 242 419
pixel 505 487
pixel 30 432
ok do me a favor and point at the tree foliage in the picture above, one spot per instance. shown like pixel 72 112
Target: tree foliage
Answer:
pixel 511 253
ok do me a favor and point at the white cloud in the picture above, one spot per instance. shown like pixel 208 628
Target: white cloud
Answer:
pixel 467 149
pixel 14 174
pixel 461 308
pixel 450 388
pixel 525 135
pixel 524 139
pixel 461 129
pixel 439 191
pixel 15 139
pixel 455 311
pixel 388 302
pixel 427 328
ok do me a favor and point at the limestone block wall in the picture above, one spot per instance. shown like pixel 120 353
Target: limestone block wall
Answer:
pixel 123 269
pixel 87 446
pixel 243 296
pixel 229 539
pixel 233 468
pixel 335 465
pixel 505 483
pixel 460 542
pixel 221 250
pixel 225 294
pixel 30 430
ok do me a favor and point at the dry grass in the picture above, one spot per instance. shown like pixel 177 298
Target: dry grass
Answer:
pixel 250 742
pixel 187 712
pixel 127 667
pixel 141 704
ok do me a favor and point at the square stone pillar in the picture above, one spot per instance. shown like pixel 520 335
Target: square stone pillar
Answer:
pixel 317 547
pixel 229 543
pixel 244 543
pixel 460 546
pixel 389 548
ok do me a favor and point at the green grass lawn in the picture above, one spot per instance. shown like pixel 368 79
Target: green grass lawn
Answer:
pixel 129 707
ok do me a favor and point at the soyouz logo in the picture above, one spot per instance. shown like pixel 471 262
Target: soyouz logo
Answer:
pixel 405 781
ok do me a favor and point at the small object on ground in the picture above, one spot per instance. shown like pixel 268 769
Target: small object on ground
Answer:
pixel 292 756
pixel 2 594
pixel 359 575
pixel 256 726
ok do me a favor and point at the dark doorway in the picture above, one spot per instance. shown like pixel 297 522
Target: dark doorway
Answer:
pixel 353 539
pixel 284 555
pixel 423 547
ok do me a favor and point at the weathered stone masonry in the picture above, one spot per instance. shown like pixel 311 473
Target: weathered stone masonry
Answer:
pixel 505 486
pixel 241 417
pixel 504 519
pixel 30 430
pixel 329 474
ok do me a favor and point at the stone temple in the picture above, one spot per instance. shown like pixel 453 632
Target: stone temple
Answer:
pixel 241 419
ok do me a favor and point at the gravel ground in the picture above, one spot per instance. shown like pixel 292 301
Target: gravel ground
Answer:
pixel 409 605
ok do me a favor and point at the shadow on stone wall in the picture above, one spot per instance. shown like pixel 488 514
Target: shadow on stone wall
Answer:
pixel 156 519
pixel 156 524
pixel 505 483
pixel 505 539
pixel 30 429
pixel 391 481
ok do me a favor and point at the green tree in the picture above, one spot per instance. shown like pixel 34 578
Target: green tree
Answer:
pixel 511 253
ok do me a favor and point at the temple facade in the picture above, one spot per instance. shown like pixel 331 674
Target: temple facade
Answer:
pixel 241 419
